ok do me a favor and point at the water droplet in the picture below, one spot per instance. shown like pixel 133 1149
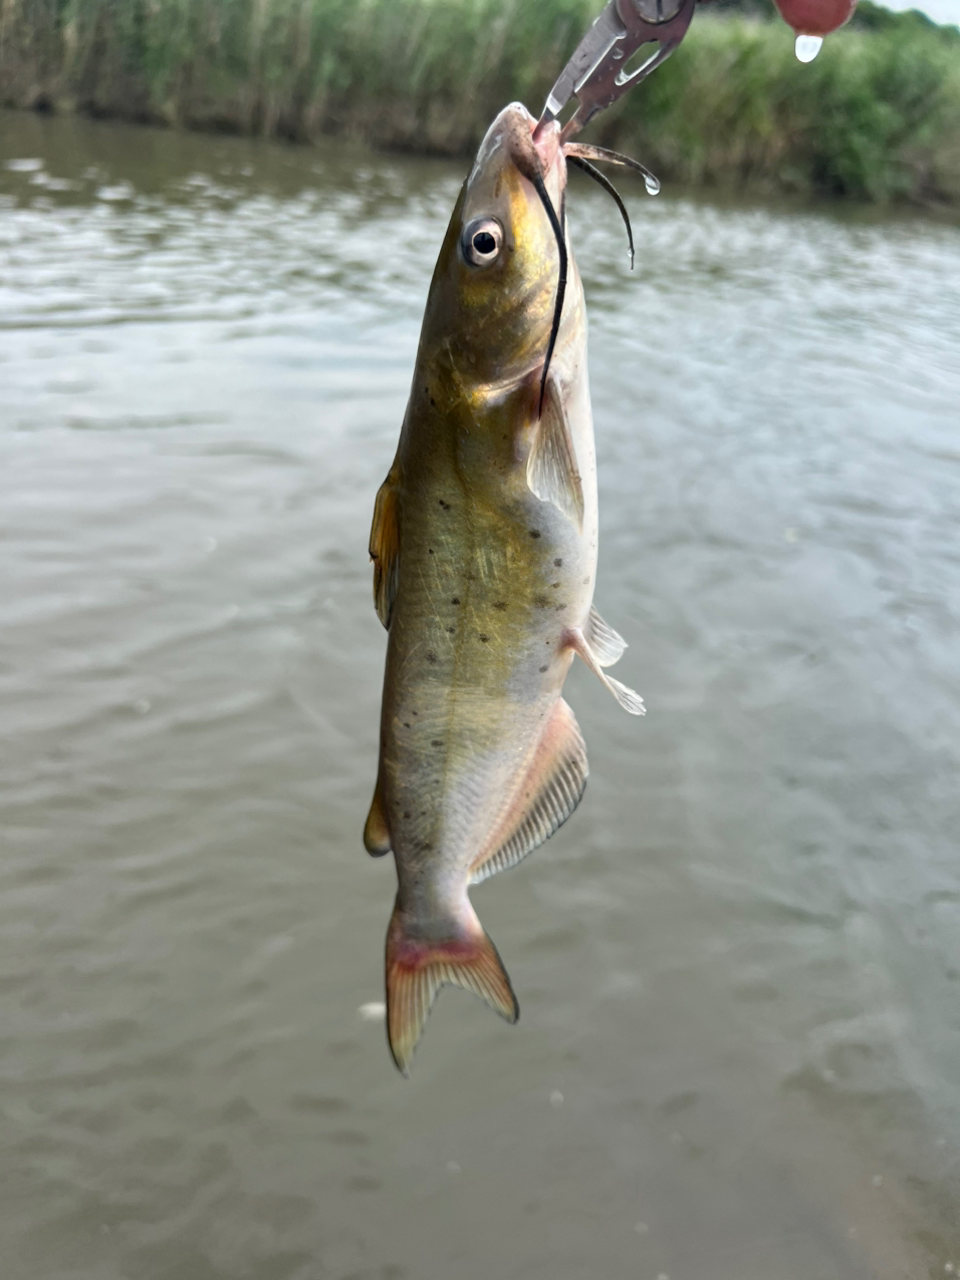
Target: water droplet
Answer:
pixel 372 1011
pixel 876 1180
pixel 641 1228
pixel 142 706
pixel 652 184
pixel 452 1167
pixel 949 1268
pixel 556 1098
pixel 807 47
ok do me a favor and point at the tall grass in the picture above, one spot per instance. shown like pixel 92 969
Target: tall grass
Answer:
pixel 876 116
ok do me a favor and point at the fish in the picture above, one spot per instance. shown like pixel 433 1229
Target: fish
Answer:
pixel 484 548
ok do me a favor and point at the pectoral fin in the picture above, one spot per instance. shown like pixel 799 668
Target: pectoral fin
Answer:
pixel 630 701
pixel 552 472
pixel 548 795
pixel 385 546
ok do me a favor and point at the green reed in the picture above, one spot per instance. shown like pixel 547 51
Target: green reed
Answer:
pixel 877 115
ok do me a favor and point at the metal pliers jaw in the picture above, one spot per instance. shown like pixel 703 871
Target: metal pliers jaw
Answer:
pixel 595 75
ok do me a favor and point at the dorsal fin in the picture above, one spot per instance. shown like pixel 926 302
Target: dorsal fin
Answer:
pixel 547 796
pixel 552 472
pixel 385 545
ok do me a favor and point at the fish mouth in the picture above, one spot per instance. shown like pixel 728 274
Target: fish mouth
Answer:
pixel 546 143
pixel 535 152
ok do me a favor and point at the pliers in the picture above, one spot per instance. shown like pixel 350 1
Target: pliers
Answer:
pixel 596 75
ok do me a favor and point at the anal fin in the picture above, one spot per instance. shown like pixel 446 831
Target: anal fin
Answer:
pixel 630 701
pixel 549 793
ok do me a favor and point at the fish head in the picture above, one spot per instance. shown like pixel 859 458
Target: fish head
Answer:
pixel 495 286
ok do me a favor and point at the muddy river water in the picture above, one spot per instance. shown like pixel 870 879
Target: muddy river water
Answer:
pixel 738 965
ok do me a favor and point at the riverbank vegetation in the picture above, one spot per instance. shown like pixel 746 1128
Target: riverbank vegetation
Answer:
pixel 876 116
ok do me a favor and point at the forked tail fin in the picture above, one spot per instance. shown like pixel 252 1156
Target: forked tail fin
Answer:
pixel 418 966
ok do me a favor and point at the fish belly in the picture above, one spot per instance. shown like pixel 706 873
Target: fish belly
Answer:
pixel 476 662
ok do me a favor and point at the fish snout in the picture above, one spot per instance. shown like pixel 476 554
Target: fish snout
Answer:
pixel 534 151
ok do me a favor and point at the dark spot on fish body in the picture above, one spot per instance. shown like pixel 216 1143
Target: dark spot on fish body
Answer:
pixel 534 533
pixel 451 631
pixel 541 602
pixel 560 608
pixel 543 669
pixel 558 563
pixel 554 585
pixel 406 813
pixel 429 551
pixel 437 742
pixel 433 403
pixel 500 604
pixel 445 505
pixel 416 713
pixel 484 639
pixel 586 582
pixel 406 724
pixel 431 656
pixel 455 600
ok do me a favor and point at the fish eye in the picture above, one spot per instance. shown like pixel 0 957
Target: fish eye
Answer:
pixel 481 242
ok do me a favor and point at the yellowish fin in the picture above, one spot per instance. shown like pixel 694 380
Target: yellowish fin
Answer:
pixel 385 546
pixel 376 833
pixel 418 966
